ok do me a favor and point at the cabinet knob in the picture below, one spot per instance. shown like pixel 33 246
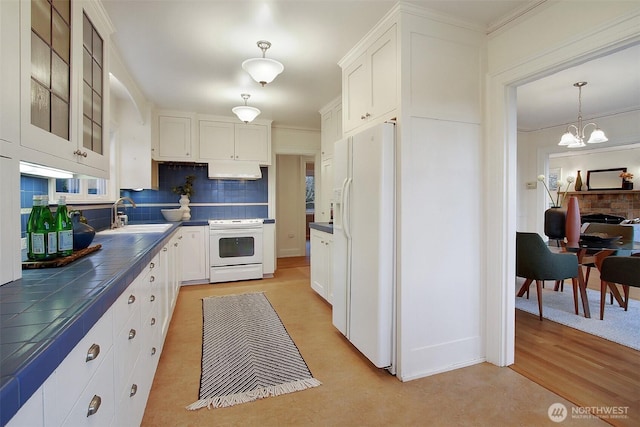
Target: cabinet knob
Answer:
pixel 153 351
pixel 153 321
pixel 175 244
pixel 152 278
pixel 152 265
pixel 187 154
pixel 80 153
pixel 365 117
pixel 134 390
pixel 132 299
pixel 94 405
pixel 132 334
pixel 153 298
pixel 93 352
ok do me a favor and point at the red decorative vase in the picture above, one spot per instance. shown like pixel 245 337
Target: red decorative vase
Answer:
pixel 572 225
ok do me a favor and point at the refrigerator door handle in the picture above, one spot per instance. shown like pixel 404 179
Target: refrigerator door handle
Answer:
pixel 346 207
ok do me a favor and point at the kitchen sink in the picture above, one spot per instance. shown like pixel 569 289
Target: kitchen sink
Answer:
pixel 139 228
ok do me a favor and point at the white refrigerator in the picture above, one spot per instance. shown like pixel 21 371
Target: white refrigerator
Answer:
pixel 364 242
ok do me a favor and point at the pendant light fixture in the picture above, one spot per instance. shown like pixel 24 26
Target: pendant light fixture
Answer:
pixel 244 112
pixel 575 135
pixel 263 70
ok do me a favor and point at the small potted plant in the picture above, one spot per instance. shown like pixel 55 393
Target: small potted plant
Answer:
pixel 627 183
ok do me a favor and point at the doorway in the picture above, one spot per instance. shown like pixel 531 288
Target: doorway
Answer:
pixel 295 205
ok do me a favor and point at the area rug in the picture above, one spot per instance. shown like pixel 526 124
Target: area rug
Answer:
pixel 247 353
pixel 622 327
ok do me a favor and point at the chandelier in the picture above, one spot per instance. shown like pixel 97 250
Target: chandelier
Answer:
pixel 575 135
pixel 244 112
pixel 263 70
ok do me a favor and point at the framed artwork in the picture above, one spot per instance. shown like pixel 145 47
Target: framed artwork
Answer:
pixel 555 176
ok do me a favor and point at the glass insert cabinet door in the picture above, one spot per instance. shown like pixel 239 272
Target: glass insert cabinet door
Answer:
pixel 51 47
pixel 50 66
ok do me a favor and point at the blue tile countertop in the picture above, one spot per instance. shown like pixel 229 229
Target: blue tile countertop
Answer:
pixel 47 312
pixel 322 226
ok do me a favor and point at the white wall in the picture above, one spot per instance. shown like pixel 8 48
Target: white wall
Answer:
pixel 553 36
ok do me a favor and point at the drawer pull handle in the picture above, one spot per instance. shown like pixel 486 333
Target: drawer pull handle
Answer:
pixel 151 279
pixel 153 351
pixel 132 299
pixel 165 249
pixel 151 265
pixel 153 298
pixel 153 321
pixel 93 352
pixel 134 390
pixel 94 405
pixel 175 244
pixel 132 334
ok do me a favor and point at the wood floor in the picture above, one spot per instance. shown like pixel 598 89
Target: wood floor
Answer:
pixel 586 370
pixel 563 366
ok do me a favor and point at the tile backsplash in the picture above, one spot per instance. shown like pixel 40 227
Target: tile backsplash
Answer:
pixel 212 199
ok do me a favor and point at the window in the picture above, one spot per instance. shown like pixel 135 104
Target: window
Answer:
pixel 310 188
pixel 86 189
pixel 92 75
pixel 50 65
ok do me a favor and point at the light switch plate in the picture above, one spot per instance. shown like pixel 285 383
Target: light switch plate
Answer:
pixel 532 185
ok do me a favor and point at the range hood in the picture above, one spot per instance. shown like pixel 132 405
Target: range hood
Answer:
pixel 234 169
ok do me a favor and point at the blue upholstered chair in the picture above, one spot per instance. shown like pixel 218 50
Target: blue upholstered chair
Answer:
pixel 622 270
pixel 534 261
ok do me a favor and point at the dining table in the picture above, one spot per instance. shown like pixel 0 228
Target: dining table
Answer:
pixel 591 251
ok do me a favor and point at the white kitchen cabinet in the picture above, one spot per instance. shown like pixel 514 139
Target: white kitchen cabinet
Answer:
pixel 323 203
pixel 370 82
pixel 173 140
pixel 10 262
pixel 96 405
pixel 68 127
pixel 91 358
pixel 116 360
pixel 31 414
pixel 221 140
pixel 321 263
pixel 136 169
pixel 330 126
pixel 195 254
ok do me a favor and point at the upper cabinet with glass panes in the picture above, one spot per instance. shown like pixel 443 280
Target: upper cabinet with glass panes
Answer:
pixel 64 70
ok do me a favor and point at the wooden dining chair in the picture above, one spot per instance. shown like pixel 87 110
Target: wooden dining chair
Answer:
pixel 534 261
pixel 620 270
pixel 626 232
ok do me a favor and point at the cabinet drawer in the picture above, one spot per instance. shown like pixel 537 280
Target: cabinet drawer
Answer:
pixel 133 399
pixel 127 346
pixel 127 304
pixel 99 388
pixel 75 371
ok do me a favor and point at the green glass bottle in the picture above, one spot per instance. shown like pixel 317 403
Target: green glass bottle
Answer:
pixel 45 227
pixel 64 228
pixel 31 227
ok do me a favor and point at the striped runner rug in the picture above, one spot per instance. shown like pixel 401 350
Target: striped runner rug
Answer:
pixel 247 353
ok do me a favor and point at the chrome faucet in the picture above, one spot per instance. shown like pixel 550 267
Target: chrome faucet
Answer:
pixel 116 223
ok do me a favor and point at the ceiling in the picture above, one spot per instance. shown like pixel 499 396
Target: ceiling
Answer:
pixel 187 54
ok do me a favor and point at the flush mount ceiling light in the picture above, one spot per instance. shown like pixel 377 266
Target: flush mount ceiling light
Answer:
pixel 244 112
pixel 574 136
pixel 263 70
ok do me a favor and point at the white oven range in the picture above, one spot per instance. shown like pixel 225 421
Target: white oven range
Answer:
pixel 235 249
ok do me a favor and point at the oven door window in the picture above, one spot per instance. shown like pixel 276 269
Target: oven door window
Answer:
pixel 232 247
